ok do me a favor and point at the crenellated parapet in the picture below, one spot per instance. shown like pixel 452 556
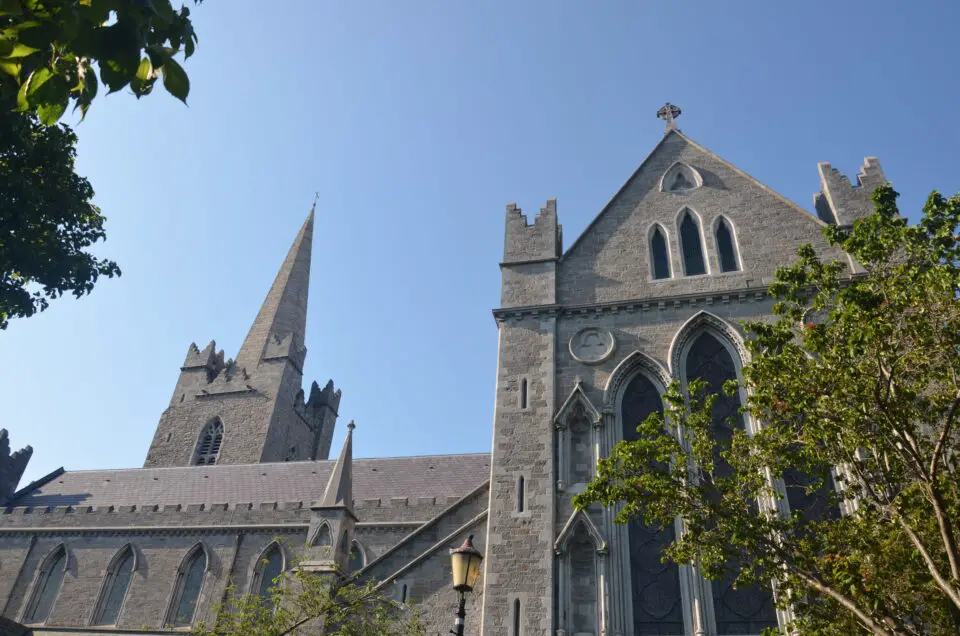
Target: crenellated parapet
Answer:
pixel 524 242
pixel 841 202
pixel 11 466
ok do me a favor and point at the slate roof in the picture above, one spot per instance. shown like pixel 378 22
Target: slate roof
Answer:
pixel 439 476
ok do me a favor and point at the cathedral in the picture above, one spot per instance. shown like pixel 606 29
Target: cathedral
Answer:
pixel 238 483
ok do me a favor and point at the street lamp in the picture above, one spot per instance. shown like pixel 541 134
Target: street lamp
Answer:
pixel 465 564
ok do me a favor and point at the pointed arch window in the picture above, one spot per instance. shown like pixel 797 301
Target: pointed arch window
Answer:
pixel 188 588
pixel 725 248
pixel 356 558
pixel 656 594
pixel 49 580
pixel 659 254
pixel 268 569
pixel 323 538
pixel 208 446
pixel 691 245
pixel 115 586
pixel 745 609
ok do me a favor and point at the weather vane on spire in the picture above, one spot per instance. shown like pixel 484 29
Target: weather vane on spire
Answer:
pixel 316 196
pixel 669 114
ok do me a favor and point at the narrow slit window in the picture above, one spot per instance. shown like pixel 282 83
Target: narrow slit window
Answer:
pixel 520 494
pixel 48 586
pixel 728 255
pixel 660 256
pixel 692 246
pixel 208 446
pixel 523 393
pixel 516 617
pixel 403 594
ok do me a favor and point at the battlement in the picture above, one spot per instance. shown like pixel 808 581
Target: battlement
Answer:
pixel 209 359
pixel 11 466
pixel 841 202
pixel 327 396
pixel 523 242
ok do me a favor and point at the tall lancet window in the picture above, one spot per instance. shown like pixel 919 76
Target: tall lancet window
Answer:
pixel 47 587
pixel 746 609
pixel 188 587
pixel 115 587
pixel 725 249
pixel 208 446
pixel 657 605
pixel 691 245
pixel 270 567
pixel 659 256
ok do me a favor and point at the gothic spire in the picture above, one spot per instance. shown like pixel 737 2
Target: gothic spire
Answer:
pixel 284 311
pixel 339 492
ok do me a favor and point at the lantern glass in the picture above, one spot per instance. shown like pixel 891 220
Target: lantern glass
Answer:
pixel 465 566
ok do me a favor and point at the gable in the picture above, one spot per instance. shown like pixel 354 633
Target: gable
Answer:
pixel 612 259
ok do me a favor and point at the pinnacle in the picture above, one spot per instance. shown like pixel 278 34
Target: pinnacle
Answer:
pixel 339 491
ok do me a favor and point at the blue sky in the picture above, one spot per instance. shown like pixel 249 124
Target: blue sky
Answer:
pixel 416 122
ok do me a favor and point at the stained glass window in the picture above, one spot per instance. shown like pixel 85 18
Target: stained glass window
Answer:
pixel 115 588
pixel 190 586
pixel 692 246
pixel 48 586
pixel 657 607
pixel 728 255
pixel 747 609
pixel 660 255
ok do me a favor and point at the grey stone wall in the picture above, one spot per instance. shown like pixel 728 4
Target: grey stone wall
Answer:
pixel 611 262
pixel 519 560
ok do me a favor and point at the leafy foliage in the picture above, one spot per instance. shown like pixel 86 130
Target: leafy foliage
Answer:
pixel 303 602
pixel 48 49
pixel 46 219
pixel 854 384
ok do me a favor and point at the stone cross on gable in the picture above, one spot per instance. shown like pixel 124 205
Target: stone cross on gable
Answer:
pixel 669 113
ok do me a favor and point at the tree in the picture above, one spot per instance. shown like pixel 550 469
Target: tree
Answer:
pixel 854 387
pixel 47 219
pixel 48 49
pixel 304 602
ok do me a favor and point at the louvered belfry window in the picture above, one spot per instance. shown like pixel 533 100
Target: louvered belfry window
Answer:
pixel 208 448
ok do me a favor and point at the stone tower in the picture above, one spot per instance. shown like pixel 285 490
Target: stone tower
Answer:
pixel 518 566
pixel 253 410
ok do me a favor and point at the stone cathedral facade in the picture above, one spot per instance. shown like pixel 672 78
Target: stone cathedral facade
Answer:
pixel 237 483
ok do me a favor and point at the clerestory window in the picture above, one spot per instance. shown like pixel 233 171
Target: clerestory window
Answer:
pixel 115 587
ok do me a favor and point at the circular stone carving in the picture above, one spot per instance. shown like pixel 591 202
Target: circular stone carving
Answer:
pixel 592 345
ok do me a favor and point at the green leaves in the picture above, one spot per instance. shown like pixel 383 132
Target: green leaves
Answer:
pixel 68 39
pixel 175 80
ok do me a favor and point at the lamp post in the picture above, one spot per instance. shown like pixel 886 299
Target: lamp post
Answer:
pixel 465 564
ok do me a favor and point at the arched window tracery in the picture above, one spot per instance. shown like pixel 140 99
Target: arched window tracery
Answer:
pixel 208 446
pixel 188 587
